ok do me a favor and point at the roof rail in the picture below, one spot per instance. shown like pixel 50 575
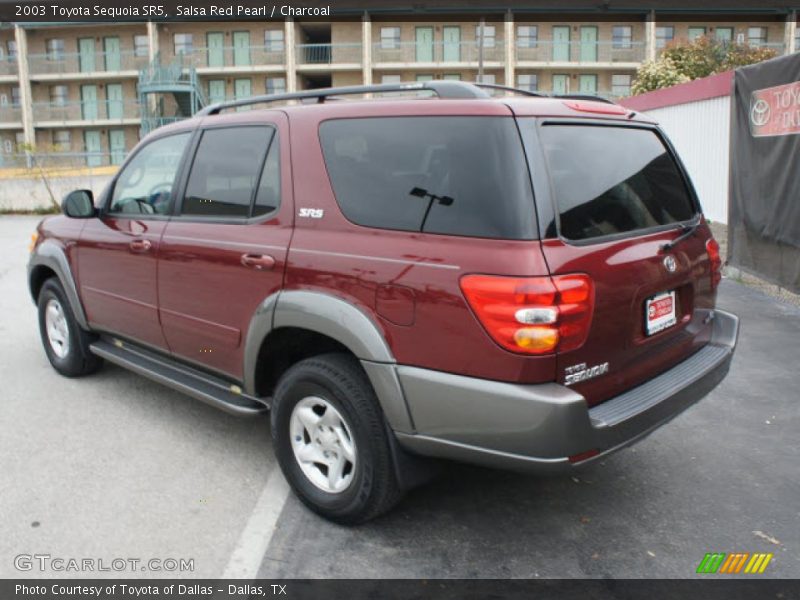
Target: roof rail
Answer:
pixel 443 89
pixel 584 97
pixel 506 88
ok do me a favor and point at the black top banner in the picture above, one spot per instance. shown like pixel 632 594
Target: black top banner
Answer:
pixel 82 11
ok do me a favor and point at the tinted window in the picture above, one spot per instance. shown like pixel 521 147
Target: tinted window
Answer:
pixel 225 172
pixel 145 185
pixel 610 180
pixel 451 175
pixel 268 196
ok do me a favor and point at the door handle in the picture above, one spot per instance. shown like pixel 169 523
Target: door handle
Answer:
pixel 140 245
pixel 259 262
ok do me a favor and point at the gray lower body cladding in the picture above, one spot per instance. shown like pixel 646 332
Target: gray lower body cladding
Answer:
pixel 539 427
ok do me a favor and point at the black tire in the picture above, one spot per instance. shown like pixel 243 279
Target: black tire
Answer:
pixel 77 359
pixel 339 380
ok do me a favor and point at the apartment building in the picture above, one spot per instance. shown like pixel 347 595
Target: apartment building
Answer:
pixel 90 91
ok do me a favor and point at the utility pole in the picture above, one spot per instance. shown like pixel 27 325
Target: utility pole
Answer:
pixel 480 49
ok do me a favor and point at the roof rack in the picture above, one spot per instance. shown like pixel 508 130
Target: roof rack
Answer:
pixel 443 89
pixel 505 88
pixel 584 97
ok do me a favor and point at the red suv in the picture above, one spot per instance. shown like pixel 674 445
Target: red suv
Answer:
pixel 515 281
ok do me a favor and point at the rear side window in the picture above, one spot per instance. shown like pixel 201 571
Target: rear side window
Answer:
pixel 225 176
pixel 613 180
pixel 450 175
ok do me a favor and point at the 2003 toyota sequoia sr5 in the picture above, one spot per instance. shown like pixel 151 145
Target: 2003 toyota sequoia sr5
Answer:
pixel 514 281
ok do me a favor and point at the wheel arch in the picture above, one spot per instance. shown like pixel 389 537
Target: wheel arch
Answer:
pixel 50 260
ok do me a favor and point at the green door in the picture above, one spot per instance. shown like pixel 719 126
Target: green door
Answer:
pixel 116 145
pixel 242 88
pixel 113 58
pixel 696 32
pixel 424 43
pixel 724 34
pixel 560 43
pixel 424 77
pixel 588 43
pixel 560 84
pixel 452 77
pixel 91 143
pixel 114 101
pixel 86 55
pixel 89 102
pixel 452 43
pixel 241 48
pixel 216 52
pixel 216 91
pixel 587 84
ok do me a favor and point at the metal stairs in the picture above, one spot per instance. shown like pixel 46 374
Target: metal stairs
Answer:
pixel 168 93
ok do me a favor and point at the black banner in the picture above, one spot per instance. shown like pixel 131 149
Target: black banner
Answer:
pixel 764 215
pixel 406 589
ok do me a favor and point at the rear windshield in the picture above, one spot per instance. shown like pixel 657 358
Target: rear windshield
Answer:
pixel 613 180
pixel 450 175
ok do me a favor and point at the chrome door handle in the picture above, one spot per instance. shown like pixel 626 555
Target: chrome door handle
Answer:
pixel 259 262
pixel 140 245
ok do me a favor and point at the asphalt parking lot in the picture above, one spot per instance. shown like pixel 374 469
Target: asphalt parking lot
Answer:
pixel 116 466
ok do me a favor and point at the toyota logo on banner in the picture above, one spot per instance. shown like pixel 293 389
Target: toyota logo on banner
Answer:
pixel 775 110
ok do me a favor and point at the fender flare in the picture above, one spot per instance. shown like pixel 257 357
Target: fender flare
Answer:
pixel 51 255
pixel 341 321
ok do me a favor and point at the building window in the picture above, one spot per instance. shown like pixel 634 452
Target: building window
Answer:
pixel 12 49
pixel 8 146
pixel 797 39
pixel 62 140
pixel 528 81
pixel 390 79
pixel 390 38
pixel 273 40
pixel 696 32
pixel 489 39
pixel 620 85
pixel 527 36
pixel 756 36
pixel 141 45
pixel 59 95
pixel 489 78
pixel 724 34
pixel 55 49
pixel 15 98
pixel 184 43
pixel 622 36
pixel 664 35
pixel 276 85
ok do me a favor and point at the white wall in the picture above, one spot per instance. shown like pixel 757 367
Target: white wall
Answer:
pixel 700 132
pixel 29 193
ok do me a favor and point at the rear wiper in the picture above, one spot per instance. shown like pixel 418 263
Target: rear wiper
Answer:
pixel 688 231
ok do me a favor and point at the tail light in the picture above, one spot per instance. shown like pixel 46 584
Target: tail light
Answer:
pixel 532 315
pixel 712 247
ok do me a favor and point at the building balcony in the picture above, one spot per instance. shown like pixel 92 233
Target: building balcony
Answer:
pixel 8 66
pixel 10 115
pixel 436 53
pixel 580 53
pixel 85 64
pixel 328 55
pixel 80 114
pixel 247 58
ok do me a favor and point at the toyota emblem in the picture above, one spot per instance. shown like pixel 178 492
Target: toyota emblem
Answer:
pixel 669 264
pixel 760 113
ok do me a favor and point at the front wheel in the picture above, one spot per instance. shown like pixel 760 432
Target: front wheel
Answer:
pixel 331 441
pixel 65 343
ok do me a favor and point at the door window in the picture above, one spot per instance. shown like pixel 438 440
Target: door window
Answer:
pixel 225 173
pixel 112 54
pixel 146 184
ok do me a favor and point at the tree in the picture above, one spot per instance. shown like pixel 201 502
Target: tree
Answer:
pixel 684 60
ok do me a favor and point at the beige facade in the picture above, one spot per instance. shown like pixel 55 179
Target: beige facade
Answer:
pixel 74 88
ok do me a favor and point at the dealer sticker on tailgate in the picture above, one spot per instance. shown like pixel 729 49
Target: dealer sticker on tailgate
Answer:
pixel 659 313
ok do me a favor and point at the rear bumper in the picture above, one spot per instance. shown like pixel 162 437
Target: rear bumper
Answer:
pixel 538 427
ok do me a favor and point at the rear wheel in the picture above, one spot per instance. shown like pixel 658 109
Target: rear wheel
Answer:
pixel 65 343
pixel 331 441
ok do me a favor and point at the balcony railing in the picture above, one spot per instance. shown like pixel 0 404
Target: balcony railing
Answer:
pixel 436 52
pixel 55 161
pixel 583 52
pixel 328 54
pixel 8 65
pixel 111 110
pixel 227 56
pixel 10 114
pixel 85 62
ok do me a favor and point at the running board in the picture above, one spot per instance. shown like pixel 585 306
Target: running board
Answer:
pixel 209 389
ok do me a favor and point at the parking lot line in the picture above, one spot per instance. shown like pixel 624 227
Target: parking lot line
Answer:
pixel 257 534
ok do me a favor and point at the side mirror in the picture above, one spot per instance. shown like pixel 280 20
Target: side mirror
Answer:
pixel 78 204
